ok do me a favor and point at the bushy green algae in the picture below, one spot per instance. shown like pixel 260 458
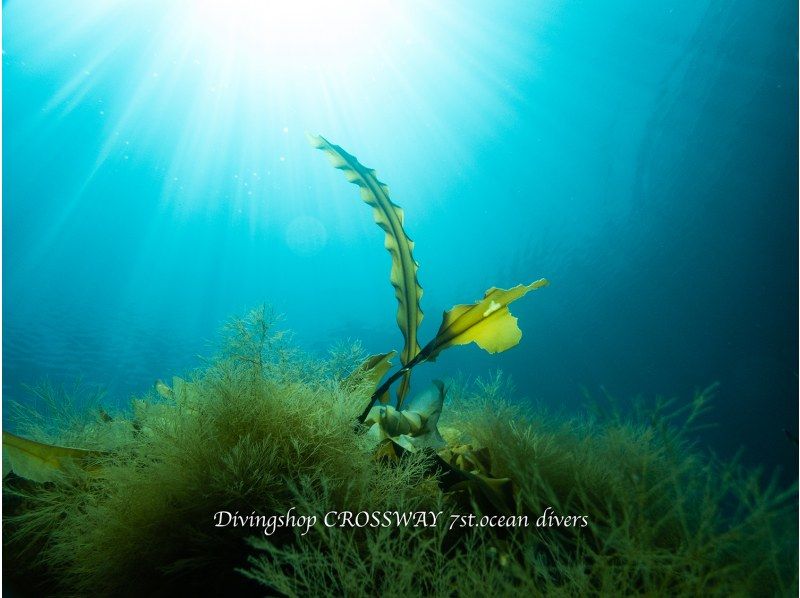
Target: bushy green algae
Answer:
pixel 264 428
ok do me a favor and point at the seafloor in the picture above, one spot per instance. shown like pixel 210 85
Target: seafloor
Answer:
pixel 614 503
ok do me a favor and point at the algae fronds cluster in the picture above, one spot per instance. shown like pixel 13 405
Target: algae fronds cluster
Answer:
pixel 459 490
pixel 264 430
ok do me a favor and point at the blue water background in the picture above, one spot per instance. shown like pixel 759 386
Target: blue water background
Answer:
pixel 642 156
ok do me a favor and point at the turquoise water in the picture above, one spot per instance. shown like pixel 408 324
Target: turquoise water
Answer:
pixel 641 156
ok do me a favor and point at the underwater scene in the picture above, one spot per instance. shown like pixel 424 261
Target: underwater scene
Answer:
pixel 400 298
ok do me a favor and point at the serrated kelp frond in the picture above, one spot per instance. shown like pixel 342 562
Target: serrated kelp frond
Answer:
pixel 389 216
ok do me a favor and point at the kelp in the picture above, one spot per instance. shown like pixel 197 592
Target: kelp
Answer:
pixel 487 323
pixel 38 461
pixel 415 426
pixel 389 216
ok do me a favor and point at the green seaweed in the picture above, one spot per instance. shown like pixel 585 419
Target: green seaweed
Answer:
pixel 266 429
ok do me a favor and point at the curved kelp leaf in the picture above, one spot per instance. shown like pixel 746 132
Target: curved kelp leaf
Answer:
pixel 488 323
pixel 37 461
pixel 389 217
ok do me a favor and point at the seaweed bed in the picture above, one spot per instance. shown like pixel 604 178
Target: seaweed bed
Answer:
pixel 263 428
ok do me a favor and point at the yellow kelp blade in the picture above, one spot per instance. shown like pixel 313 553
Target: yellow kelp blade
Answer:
pixel 389 217
pixel 372 370
pixel 37 461
pixel 487 323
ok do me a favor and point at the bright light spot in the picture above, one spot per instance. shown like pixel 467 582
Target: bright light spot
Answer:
pixel 493 307
pixel 205 88
pixel 289 34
